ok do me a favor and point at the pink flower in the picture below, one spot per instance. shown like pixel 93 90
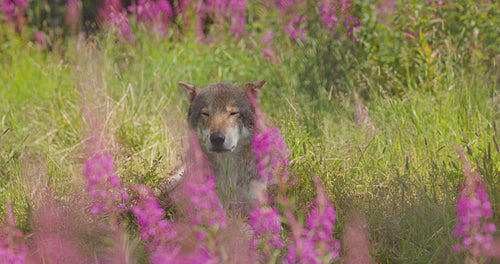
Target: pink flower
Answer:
pixel 238 17
pixel 202 205
pixel 103 184
pixel 296 28
pixel 111 14
pixel 73 13
pixel 266 225
pixel 473 212
pixel 155 230
pixel 11 249
pixel 314 243
pixel 271 153
pixel 41 38
pixel 15 11
pixel 156 14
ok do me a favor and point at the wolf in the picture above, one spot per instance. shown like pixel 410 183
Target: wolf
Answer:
pixel 222 117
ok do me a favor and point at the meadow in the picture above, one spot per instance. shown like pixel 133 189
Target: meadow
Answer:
pixel 393 105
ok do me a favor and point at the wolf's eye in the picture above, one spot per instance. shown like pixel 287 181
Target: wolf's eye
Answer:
pixel 234 113
pixel 205 114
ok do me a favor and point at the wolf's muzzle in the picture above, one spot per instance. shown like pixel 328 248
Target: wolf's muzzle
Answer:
pixel 217 139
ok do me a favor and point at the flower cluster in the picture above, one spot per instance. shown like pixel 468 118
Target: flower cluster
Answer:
pixel 270 150
pixel 313 243
pixel 113 15
pixel 266 225
pixel 238 17
pixel 269 50
pixel 154 229
pixel 103 184
pixel 296 27
pixel 156 14
pixel 475 231
pixel 202 206
pixel 361 116
pixel 222 12
pixel 74 11
pixel 352 24
pixel 270 153
pixel 11 250
pixel 386 7
pixel 14 10
pixel 473 212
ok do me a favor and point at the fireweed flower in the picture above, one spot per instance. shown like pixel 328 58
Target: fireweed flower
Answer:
pixel 296 27
pixel 41 39
pixel 111 14
pixel 192 240
pixel 201 10
pixel 203 206
pixel 361 115
pixel 386 8
pixel 223 12
pixel 270 150
pixel 238 17
pixel 156 14
pixel 352 24
pixel 103 184
pixel 329 17
pixel 473 211
pixel 73 13
pixel 14 11
pixel 266 225
pixel 314 243
pixel 310 244
pixel 473 228
pixel 154 230
pixel 11 249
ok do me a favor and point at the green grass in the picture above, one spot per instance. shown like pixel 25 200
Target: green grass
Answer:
pixel 401 169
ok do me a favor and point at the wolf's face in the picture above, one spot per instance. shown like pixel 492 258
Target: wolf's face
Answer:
pixel 221 114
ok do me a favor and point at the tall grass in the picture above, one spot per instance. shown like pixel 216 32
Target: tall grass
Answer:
pixel 427 76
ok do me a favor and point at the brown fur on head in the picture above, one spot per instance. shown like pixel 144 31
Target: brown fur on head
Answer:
pixel 221 108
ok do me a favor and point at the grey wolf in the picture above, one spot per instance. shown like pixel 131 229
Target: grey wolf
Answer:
pixel 222 116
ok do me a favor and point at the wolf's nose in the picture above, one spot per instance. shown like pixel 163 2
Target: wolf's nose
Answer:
pixel 217 139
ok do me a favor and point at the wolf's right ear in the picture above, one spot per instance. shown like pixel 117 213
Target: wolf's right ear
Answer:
pixel 189 90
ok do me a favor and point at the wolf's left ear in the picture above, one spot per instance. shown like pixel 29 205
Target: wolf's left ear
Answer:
pixel 254 87
pixel 189 90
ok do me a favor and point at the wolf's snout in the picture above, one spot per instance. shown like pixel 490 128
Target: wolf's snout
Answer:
pixel 217 139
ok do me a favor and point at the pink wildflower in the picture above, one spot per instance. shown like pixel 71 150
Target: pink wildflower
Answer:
pixel 41 39
pixel 73 13
pixel 361 116
pixel 314 243
pixel 15 11
pixel 269 50
pixel 113 15
pixel 472 227
pixel 271 153
pixel 473 212
pixel 156 14
pixel 238 17
pixel 11 249
pixel 329 16
pixel 155 231
pixel 296 28
pixel 203 205
pixel 103 184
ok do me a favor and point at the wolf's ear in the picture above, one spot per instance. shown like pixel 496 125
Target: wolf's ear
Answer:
pixel 254 87
pixel 189 90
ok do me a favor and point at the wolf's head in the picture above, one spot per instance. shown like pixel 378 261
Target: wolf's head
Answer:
pixel 221 114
